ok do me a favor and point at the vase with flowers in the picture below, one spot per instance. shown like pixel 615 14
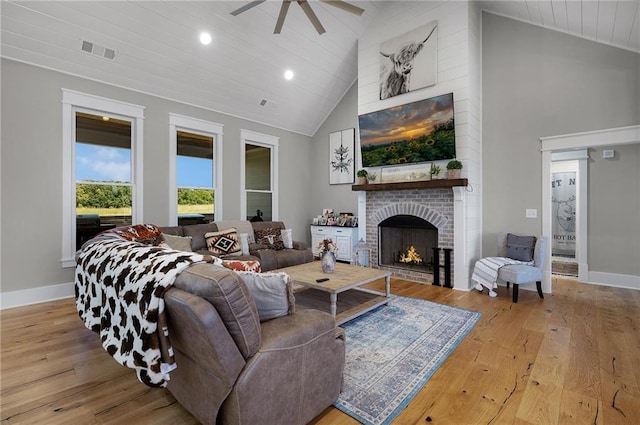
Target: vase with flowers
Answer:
pixel 327 255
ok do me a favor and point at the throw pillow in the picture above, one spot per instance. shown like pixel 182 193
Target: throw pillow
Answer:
pixel 271 237
pixel 287 238
pixel 243 266
pixel 272 292
pixel 520 247
pixel 244 243
pixel 148 234
pixel 179 243
pixel 223 243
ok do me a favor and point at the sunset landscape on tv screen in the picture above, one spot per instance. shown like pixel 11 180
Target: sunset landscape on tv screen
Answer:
pixel 415 132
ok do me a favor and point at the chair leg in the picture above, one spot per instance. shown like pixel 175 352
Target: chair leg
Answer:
pixel 539 287
pixel 515 292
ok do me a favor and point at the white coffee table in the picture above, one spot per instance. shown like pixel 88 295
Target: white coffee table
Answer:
pixel 346 280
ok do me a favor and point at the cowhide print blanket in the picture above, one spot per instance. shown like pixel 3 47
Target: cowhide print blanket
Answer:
pixel 119 283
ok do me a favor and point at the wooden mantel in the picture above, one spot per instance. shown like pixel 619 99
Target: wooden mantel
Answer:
pixel 428 184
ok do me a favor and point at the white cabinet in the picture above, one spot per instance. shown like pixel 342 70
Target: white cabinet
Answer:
pixel 345 237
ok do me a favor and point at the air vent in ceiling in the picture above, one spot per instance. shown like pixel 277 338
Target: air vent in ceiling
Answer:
pixel 98 50
pixel 269 104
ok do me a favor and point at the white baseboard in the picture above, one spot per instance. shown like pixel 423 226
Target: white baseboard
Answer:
pixel 614 279
pixel 36 295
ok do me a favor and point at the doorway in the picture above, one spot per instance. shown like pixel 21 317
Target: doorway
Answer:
pixel 576 147
pixel 564 216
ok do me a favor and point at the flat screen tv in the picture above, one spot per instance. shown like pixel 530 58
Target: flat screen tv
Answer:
pixel 415 132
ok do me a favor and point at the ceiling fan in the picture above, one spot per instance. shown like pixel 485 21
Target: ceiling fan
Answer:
pixel 306 8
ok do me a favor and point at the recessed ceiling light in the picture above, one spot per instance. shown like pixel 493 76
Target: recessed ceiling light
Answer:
pixel 205 38
pixel 288 74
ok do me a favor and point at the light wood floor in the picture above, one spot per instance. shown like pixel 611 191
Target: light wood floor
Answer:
pixel 572 358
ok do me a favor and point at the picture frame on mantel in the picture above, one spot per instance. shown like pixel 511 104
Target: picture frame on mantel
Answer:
pixel 342 156
pixel 406 173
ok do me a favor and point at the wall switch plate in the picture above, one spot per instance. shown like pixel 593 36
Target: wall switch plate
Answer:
pixel 531 213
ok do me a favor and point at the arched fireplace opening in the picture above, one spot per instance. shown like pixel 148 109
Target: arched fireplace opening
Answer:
pixel 407 242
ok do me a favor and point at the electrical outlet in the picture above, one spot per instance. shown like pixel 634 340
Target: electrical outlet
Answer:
pixel 531 213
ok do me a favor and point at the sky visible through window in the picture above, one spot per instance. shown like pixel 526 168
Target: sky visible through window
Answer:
pixel 104 163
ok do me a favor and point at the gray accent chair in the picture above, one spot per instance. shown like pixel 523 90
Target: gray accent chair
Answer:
pixel 521 273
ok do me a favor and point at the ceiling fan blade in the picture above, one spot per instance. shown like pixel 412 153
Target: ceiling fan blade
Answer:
pixel 283 14
pixel 247 7
pixel 345 6
pixel 306 8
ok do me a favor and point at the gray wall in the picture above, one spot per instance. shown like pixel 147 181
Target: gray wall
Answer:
pixel 536 83
pixel 614 211
pixel 338 197
pixel 32 169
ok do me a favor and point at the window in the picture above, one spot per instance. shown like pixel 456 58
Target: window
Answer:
pixel 195 148
pixel 104 195
pixel 259 176
pixel 102 166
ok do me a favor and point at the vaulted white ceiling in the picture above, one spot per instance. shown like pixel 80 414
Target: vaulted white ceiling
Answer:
pixel 157 50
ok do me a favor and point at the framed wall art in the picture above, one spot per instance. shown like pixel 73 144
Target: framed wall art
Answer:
pixel 409 62
pixel 341 156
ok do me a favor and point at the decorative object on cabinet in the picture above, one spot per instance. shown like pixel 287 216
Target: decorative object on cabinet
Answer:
pixel 341 156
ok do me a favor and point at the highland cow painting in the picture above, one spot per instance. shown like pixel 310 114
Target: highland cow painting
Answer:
pixel 408 62
pixel 420 131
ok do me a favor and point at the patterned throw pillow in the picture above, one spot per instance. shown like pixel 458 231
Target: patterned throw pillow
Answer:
pixel 520 247
pixel 270 237
pixel 148 234
pixel 243 266
pixel 223 243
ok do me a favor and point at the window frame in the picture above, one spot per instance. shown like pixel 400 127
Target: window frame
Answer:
pixel 177 123
pixel 72 102
pixel 267 141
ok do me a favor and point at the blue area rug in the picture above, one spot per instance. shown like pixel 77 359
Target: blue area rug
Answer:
pixel 393 351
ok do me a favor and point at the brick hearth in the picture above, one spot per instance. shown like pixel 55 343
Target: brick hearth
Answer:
pixel 435 205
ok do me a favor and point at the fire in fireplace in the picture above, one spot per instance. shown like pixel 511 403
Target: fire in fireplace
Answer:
pixel 407 242
pixel 411 256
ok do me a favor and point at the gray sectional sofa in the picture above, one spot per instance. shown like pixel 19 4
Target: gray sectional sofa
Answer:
pixel 269 258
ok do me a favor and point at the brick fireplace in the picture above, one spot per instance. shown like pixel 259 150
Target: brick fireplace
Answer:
pixel 431 202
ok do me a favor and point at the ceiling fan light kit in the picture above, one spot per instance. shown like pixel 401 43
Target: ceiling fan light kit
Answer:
pixel 306 8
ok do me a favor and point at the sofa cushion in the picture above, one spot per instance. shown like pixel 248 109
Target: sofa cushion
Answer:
pixel 272 292
pixel 520 247
pixel 179 243
pixel 223 243
pixel 197 232
pixel 270 237
pixel 231 299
